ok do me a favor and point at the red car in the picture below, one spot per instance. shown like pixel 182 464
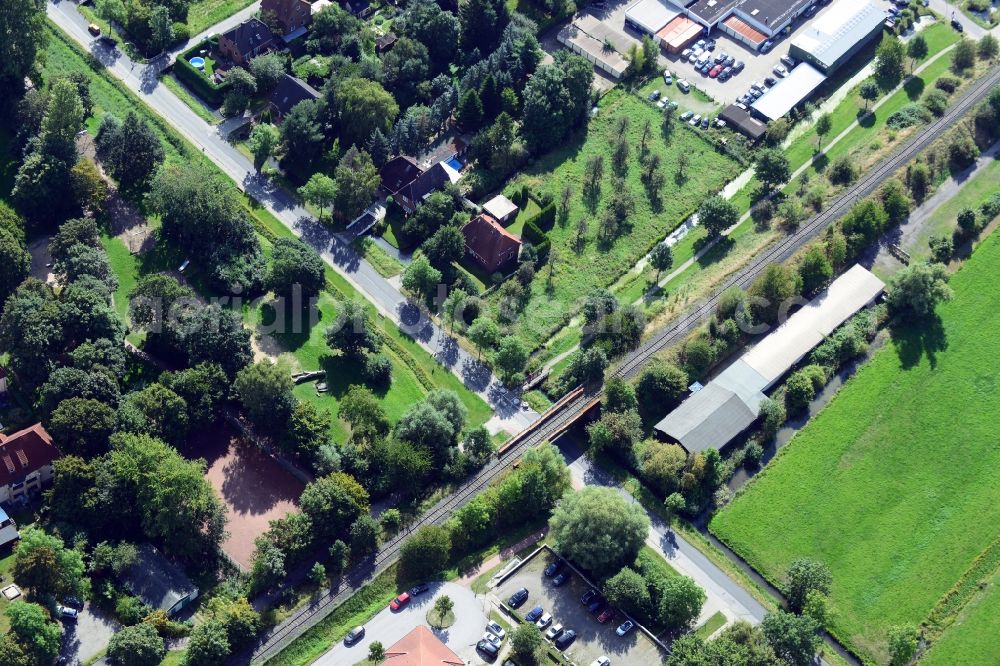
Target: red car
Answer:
pixel 606 615
pixel 400 601
pixel 714 72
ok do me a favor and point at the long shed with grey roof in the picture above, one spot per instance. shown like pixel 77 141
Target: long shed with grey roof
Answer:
pixel 729 404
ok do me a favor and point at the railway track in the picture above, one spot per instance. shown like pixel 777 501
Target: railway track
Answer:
pixel 572 406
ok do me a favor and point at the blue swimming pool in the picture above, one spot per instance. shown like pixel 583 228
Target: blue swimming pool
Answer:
pixel 197 61
pixel 455 164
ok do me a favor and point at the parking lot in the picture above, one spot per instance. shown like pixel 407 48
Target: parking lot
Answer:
pixel 757 66
pixel 593 639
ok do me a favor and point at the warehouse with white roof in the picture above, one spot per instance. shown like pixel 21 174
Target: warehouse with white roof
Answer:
pixel 730 403
pixel 789 92
pixel 846 28
pixel 647 17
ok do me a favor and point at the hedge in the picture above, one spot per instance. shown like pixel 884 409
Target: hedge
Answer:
pixel 545 217
pixel 196 81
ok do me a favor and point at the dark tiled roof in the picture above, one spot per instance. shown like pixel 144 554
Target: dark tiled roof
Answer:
pixel 290 91
pixel 743 121
pixel 158 581
pixel 398 173
pixel 249 35
pixel 24 452
pixel 429 181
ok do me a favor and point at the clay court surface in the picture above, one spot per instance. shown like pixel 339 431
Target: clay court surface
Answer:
pixel 254 488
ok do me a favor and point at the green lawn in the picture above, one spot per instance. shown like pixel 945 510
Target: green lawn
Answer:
pixel 711 625
pixel 193 102
pixel 893 485
pixel 973 638
pixel 203 14
pixel 578 271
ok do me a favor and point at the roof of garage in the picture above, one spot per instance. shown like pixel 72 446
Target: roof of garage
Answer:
pixel 789 91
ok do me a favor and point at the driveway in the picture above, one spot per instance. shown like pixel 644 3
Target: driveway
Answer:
pixel 389 627
pixel 87 637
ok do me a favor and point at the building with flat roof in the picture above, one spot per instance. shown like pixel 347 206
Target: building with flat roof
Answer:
pixel 710 12
pixel 588 37
pixel 647 16
pixel 789 92
pixel 847 27
pixel 730 403
pixel 742 31
pixel 676 35
pixel 770 16
pixel 743 122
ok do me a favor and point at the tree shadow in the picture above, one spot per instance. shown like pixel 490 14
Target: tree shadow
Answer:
pixel 342 372
pixel 915 338
pixel 820 161
pixel 290 326
pixel 868 120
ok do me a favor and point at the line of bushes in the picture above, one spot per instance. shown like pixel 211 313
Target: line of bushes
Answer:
pixel 534 230
pixel 196 80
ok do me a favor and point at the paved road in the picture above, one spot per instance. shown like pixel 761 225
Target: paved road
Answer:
pixel 87 637
pixel 722 592
pixel 334 248
pixel 949 11
pixel 388 627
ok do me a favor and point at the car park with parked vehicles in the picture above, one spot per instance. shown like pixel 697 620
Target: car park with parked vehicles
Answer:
pixel 495 629
pixel 544 621
pixel 518 598
pixel 566 639
pixel 487 648
pixel 534 614
pixel 554 631
pixel 695 120
pixel 493 638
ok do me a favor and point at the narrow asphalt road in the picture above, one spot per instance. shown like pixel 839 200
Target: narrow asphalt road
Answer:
pixel 335 249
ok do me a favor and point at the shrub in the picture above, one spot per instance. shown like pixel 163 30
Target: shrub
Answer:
pixel 936 102
pixel 909 115
pixel 843 171
pixel 949 84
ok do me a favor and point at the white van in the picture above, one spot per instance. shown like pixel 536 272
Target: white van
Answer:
pixel 683 85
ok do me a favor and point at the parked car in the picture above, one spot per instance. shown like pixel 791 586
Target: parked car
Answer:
pixel 596 606
pixel 625 627
pixel 766 46
pixel 419 589
pixel 589 595
pixel 684 117
pixel 756 93
pixel 811 11
pixel 544 621
pixel 710 45
pixel 957 25
pixel 889 23
pixel 684 86
pixel 518 598
pixel 756 86
pixel 769 81
pixel 787 60
pixel 655 95
pixel 686 53
pixel 488 648
pixel 94 29
pixel 67 613
pixel 493 638
pixel 554 631
pixel 400 602
pixel 606 615
pixel 700 44
pixel 693 57
pixel 73 602
pixel 725 74
pixel 738 67
pixel 729 62
pixel 561 579
pixel 704 122
pixel 601 661
pixel 780 71
pixel 715 71
pixel 534 614
pixel 354 635
pixel 741 105
pixel 705 68
pixel 693 123
pixel 721 58
pixel 566 639
pixel 719 122
pixel 496 629
pixel 668 78
pixel 557 566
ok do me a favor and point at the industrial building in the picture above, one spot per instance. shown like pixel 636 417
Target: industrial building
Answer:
pixel 676 35
pixel 647 17
pixel 729 404
pixel 788 93
pixel 847 27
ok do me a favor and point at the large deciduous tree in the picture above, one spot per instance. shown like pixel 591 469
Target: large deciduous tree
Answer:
pixel 598 529
pixel 129 150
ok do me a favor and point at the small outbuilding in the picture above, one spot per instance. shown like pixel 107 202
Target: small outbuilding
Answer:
pixel 501 208
pixel 160 583
pixel 743 122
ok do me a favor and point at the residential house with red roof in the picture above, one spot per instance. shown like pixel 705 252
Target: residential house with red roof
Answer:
pixel 493 247
pixel 26 459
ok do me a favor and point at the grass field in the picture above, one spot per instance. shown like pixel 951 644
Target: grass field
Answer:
pixel 893 484
pixel 973 638
pixel 578 271
pixel 203 14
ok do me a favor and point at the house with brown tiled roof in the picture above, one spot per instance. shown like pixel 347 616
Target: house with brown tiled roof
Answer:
pixel 26 459
pixel 493 247
pixel 290 15
pixel 420 647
